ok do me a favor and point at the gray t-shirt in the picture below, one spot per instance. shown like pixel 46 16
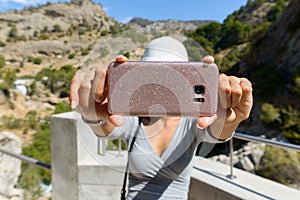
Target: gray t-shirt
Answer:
pixel 167 176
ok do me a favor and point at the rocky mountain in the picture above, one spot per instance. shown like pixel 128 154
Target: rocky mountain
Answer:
pixel 281 45
pixel 272 65
pixel 254 14
pixel 166 24
pixel 52 30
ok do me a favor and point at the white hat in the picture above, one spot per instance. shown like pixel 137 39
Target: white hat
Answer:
pixel 165 49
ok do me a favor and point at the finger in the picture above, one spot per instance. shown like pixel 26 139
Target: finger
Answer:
pixel 247 99
pixel 121 59
pixel 247 89
pixel 224 91
pixel 236 91
pixel 204 122
pixel 99 85
pixel 74 89
pixel 208 59
pixel 85 92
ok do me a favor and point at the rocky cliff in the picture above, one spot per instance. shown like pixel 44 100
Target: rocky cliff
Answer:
pixel 281 45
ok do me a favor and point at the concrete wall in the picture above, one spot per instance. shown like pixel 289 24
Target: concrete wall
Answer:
pixel 78 171
pixel 202 191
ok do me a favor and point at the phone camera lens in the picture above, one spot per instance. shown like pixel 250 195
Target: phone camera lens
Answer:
pixel 199 89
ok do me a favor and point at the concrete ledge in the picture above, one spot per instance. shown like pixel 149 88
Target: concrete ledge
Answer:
pixel 245 186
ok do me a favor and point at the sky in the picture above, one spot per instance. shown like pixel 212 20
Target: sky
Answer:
pixel 124 11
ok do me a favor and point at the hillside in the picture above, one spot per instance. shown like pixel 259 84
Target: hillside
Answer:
pixel 166 24
pixel 36 42
pixel 272 65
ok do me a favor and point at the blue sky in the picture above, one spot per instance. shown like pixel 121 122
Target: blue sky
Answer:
pixel 123 11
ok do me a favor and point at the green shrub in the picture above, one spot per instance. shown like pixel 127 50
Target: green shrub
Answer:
pixel 30 58
pixel 40 150
pixel 104 33
pixel 37 61
pixel 9 77
pixel 2 44
pixel 269 114
pixel 115 29
pixel 71 56
pixel 58 81
pixel 280 165
pixel 204 42
pixel 32 89
pixel 291 124
pixel 2 61
pixel 56 28
pixel 44 36
pixel 62 107
pixel 296 86
pixel 32 120
pixel 85 52
pixel 286 119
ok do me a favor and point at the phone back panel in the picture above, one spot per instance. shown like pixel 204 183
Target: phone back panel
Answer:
pixel 163 88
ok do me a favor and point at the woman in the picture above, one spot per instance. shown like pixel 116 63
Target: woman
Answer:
pixel 160 160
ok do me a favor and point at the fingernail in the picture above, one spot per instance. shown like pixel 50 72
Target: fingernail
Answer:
pixel 121 58
pixel 73 104
pixel 209 59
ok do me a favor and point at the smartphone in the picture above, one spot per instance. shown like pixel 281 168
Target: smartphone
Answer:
pixel 158 89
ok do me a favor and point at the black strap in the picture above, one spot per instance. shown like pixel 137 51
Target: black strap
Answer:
pixel 123 191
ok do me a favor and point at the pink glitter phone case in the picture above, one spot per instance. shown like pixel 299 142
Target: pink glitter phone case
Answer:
pixel 137 88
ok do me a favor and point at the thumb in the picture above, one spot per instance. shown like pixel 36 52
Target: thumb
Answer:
pixel 204 122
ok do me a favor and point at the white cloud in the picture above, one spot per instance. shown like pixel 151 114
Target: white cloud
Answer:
pixel 125 20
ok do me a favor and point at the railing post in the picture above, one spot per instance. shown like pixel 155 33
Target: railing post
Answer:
pixel 101 142
pixel 231 176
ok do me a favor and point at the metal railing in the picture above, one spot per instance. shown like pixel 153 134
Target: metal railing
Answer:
pixel 102 150
pixel 27 159
pixel 251 138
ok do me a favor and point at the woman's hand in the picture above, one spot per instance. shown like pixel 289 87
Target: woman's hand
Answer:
pixel 235 103
pixel 88 95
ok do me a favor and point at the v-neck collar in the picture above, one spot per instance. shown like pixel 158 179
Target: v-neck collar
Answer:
pixel 164 155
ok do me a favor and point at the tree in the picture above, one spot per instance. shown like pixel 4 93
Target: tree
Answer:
pixel 233 32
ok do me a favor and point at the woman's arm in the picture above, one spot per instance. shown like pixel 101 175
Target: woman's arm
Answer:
pixel 88 96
